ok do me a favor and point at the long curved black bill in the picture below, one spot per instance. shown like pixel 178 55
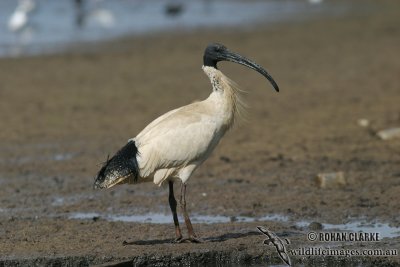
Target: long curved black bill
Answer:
pixel 234 57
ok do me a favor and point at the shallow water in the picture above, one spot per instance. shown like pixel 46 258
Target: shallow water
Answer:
pixel 384 229
pixel 30 159
pixel 54 25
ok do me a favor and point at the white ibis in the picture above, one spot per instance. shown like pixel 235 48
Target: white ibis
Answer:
pixel 19 18
pixel 93 14
pixel 171 147
pixel 315 1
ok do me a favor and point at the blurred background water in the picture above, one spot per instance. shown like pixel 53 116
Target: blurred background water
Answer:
pixel 29 27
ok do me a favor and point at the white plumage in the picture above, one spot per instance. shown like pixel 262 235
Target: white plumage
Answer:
pixel 19 18
pixel 176 143
pixel 172 146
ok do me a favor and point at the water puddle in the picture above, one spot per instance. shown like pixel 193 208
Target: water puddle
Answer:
pixel 384 229
pixel 29 159
pixel 59 201
pixel 158 218
pixel 43 26
pixel 62 157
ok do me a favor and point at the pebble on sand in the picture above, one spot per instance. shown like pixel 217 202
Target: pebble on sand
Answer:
pixel 363 122
pixel 390 133
pixel 315 226
pixel 331 180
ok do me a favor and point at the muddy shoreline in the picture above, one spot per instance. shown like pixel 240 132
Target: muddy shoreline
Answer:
pixel 66 242
pixel 61 115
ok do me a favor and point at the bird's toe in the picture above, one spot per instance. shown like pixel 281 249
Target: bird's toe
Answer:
pixel 195 239
pixel 126 243
pixel 191 239
pixel 178 240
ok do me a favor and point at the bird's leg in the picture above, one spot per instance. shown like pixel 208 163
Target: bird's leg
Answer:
pixel 192 236
pixel 173 204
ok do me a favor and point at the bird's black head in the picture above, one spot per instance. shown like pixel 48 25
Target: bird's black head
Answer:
pixel 214 53
pixel 217 52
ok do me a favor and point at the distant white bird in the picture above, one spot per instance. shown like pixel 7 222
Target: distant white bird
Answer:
pixel 105 18
pixel 171 147
pixel 92 12
pixel 19 18
pixel 315 1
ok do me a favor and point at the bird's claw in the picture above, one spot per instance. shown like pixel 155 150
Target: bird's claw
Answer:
pixel 125 243
pixel 178 240
pixel 191 239
pixel 195 239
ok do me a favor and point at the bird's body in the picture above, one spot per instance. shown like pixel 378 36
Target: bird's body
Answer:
pixel 176 143
pixel 172 146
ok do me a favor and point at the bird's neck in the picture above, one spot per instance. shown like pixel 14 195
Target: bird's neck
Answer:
pixel 225 96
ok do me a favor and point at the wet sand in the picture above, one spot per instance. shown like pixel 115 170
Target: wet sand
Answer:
pixel 61 115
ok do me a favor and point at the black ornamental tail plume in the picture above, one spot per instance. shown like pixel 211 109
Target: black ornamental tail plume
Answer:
pixel 120 168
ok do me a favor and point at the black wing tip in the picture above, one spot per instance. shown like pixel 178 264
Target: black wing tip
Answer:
pixel 101 173
pixel 134 152
pixel 127 153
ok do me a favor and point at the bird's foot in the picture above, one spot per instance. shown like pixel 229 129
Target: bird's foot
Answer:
pixel 195 239
pixel 191 239
pixel 126 243
pixel 178 240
